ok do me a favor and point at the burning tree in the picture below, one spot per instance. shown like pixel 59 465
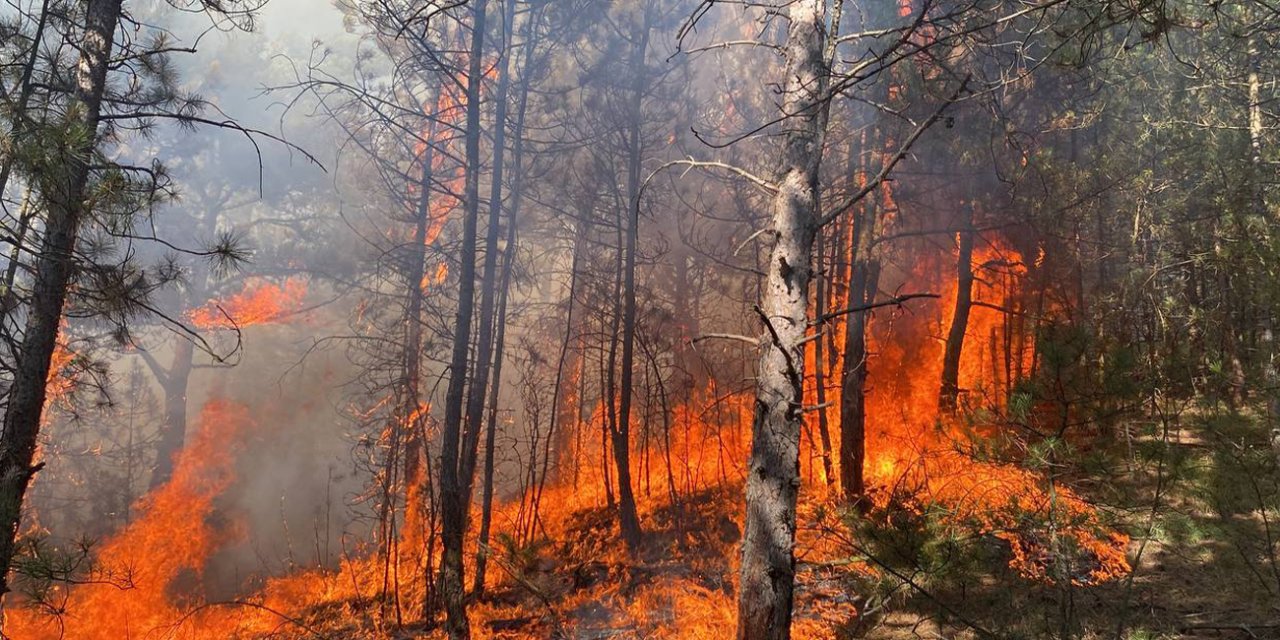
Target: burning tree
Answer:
pixel 664 317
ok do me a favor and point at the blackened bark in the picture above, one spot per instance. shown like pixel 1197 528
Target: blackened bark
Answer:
pixel 410 431
pixel 949 393
pixel 453 486
pixel 508 263
pixel 476 392
pixel 628 517
pixel 564 409
pixel 491 428
pixel 864 279
pixel 173 437
pixel 64 191
pixel 412 355
pixel 19 131
pixel 765 588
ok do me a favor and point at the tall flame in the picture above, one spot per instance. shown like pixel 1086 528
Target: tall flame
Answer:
pixel 160 555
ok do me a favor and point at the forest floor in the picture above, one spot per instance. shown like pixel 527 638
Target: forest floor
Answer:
pixel 1199 498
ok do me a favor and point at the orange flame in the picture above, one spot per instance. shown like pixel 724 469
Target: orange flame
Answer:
pixel 258 303
pixel 160 554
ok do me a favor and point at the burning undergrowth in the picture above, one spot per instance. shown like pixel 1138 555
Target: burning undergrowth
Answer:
pixel 143 578
pixel 945 484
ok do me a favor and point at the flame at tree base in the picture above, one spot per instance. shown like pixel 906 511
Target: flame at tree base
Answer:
pixel 557 564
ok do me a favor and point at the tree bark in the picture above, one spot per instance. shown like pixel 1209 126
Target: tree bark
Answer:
pixel 64 192
pixel 820 365
pixel 174 382
pixel 628 517
pixel 864 276
pixel 19 115
pixel 508 263
pixel 410 432
pixel 453 485
pixel 477 391
pixel 765 589
pixel 949 393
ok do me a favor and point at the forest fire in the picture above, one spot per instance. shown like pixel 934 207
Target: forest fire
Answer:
pixel 258 303
pixel 645 319
pixel 142 574
pixel 690 467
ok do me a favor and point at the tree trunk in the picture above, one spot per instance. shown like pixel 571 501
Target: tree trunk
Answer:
pixel 508 263
pixel 949 394
pixel 453 485
pixel 820 365
pixel 19 114
pixel 628 518
pixel 864 277
pixel 477 391
pixel 564 408
pixel 64 192
pixel 174 436
pixel 768 561
pixel 1267 341
pixel 410 430
pixel 491 429
pixel 863 282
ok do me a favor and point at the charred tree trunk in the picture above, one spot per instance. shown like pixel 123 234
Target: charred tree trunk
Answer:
pixel 864 278
pixel 411 430
pixel 562 410
pixel 628 518
pixel 453 483
pixel 491 428
pixel 609 367
pixel 28 211
pixel 508 260
pixel 765 591
pixel 64 192
pixel 174 382
pixel 949 394
pixel 416 271
pixel 477 391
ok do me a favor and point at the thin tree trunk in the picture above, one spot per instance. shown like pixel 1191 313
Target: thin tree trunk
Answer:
pixel 410 431
pixel 1267 341
pixel 491 429
pixel 628 518
pixel 949 394
pixel 26 213
pixel 765 591
pixel 412 354
pixel 508 263
pixel 65 193
pixel 453 486
pixel 864 272
pixel 560 414
pixel 819 365
pixel 863 282
pixel 476 392
pixel 25 89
